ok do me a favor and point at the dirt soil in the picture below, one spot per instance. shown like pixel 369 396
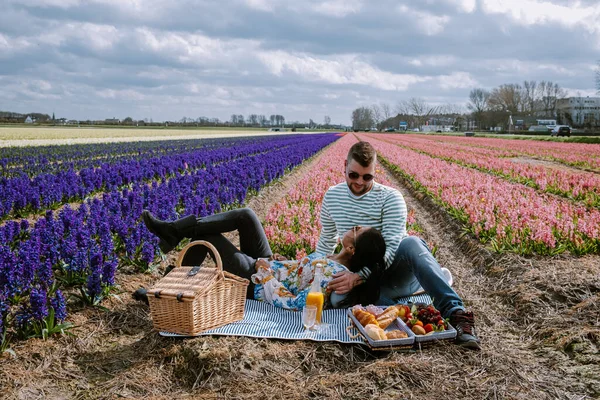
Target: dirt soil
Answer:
pixel 549 164
pixel 538 319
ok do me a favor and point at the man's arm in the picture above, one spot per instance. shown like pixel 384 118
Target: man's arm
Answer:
pixel 327 240
pixel 393 217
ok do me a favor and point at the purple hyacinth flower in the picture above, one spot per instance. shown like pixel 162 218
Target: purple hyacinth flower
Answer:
pixel 38 300
pixel 59 305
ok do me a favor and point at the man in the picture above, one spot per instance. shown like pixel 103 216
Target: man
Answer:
pixel 409 263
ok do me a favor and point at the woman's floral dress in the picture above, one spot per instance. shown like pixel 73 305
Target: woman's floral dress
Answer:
pixel 287 283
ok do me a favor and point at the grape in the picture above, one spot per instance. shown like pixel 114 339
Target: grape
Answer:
pixel 428 314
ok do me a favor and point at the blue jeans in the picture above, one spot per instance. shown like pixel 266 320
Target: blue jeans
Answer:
pixel 414 266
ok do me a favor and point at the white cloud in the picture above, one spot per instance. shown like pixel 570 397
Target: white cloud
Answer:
pixel 9 45
pixel 195 48
pixel 28 89
pixel 467 6
pixel 126 94
pixel 47 3
pixel 43 85
pixel 528 68
pixel 457 80
pixel 261 5
pixel 539 12
pixel 433 61
pixel 338 8
pixel 427 23
pixel 94 36
pixel 581 92
pixel 338 71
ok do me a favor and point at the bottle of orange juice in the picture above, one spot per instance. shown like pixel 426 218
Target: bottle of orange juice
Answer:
pixel 315 296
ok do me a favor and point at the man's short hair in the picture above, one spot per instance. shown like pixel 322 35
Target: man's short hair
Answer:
pixel 363 153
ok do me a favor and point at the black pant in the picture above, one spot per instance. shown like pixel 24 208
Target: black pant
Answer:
pixel 253 242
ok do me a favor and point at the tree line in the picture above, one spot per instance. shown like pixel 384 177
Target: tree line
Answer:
pixel 485 108
pixel 236 120
pixel 415 112
pixel 534 99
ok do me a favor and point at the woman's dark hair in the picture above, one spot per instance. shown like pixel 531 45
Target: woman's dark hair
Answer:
pixel 369 251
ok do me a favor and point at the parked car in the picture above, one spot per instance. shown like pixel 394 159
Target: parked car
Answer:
pixel 561 130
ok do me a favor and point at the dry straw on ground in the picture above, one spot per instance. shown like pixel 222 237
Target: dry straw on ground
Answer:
pixel 538 319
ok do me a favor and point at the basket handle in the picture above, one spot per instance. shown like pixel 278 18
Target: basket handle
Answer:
pixel 349 327
pixel 206 244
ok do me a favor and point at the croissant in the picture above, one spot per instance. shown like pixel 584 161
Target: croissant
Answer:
pixel 375 332
pixel 397 334
pixel 365 318
pixel 387 317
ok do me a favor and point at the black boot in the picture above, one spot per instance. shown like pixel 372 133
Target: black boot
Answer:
pixel 169 233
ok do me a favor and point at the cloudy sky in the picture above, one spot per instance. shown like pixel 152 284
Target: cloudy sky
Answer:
pixel 166 59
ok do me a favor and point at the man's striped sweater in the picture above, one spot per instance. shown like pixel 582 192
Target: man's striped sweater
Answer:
pixel 382 207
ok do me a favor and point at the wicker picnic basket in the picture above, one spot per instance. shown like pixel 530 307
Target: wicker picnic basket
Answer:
pixel 191 300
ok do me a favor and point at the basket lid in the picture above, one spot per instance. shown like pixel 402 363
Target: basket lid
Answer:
pixel 185 283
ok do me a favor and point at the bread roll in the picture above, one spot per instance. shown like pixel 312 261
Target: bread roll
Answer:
pixel 365 318
pixel 387 317
pixel 397 334
pixel 375 332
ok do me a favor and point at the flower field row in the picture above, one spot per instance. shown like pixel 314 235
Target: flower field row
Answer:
pixel 15 162
pixel 292 225
pixel 573 154
pixel 78 250
pixel 579 185
pixel 22 196
pixel 509 216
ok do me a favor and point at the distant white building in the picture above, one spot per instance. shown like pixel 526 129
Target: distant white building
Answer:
pixel 29 120
pixel 579 111
pixel 437 128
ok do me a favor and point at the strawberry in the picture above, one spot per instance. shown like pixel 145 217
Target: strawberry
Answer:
pixel 428 328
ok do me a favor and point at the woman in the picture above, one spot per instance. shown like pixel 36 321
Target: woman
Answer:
pixel 287 283
pixel 274 279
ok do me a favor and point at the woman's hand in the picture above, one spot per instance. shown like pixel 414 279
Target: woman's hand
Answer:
pixel 343 282
pixel 262 263
pixel 277 257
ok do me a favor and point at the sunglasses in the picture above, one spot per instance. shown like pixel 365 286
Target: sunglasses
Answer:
pixel 356 175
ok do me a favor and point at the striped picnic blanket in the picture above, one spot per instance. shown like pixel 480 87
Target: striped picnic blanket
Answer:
pixel 262 320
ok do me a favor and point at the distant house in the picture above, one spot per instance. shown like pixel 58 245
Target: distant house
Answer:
pixel 112 120
pixel 277 130
pixel 579 111
pixel 29 120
